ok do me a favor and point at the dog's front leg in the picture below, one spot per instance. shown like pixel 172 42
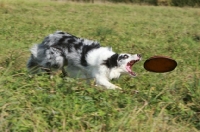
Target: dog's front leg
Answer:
pixel 102 81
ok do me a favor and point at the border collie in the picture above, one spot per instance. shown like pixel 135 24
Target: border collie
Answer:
pixel 84 59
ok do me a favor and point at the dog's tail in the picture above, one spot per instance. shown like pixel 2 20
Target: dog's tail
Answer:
pixel 34 50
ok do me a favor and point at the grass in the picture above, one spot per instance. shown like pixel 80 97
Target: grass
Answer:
pixel 150 102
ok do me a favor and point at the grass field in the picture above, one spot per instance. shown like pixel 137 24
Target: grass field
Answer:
pixel 151 102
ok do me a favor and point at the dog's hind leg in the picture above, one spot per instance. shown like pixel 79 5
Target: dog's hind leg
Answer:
pixel 64 72
pixel 32 65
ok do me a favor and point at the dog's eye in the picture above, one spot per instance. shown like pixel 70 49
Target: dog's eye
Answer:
pixel 125 56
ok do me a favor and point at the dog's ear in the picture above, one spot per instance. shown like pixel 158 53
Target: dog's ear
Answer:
pixel 112 61
pixel 34 51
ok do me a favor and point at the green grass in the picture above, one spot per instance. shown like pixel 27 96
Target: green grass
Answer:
pixel 151 102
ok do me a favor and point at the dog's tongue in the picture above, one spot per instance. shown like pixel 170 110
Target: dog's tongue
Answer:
pixel 128 68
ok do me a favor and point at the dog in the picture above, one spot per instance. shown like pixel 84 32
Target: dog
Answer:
pixel 83 58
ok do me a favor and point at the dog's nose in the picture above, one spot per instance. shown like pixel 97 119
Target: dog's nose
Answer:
pixel 139 55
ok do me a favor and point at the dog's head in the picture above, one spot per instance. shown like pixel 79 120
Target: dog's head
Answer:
pixel 126 61
pixel 123 62
pixel 49 58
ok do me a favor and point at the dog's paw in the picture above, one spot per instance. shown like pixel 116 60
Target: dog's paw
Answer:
pixel 114 87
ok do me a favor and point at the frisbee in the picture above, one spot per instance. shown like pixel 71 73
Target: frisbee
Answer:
pixel 160 64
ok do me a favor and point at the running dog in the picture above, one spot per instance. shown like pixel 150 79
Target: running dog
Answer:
pixel 84 59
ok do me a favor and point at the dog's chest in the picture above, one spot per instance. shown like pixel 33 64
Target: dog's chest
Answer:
pixel 114 73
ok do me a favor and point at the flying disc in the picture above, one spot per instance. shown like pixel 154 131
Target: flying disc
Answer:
pixel 160 64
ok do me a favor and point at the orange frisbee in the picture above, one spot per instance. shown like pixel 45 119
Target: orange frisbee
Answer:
pixel 160 64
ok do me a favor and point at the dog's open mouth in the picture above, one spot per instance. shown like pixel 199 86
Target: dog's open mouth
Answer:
pixel 129 66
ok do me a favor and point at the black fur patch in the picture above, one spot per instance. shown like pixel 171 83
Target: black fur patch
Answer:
pixel 69 42
pixel 60 32
pixel 85 50
pixel 64 42
pixel 112 61
pixel 78 46
pixel 122 57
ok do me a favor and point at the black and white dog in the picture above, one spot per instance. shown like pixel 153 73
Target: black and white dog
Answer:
pixel 84 59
